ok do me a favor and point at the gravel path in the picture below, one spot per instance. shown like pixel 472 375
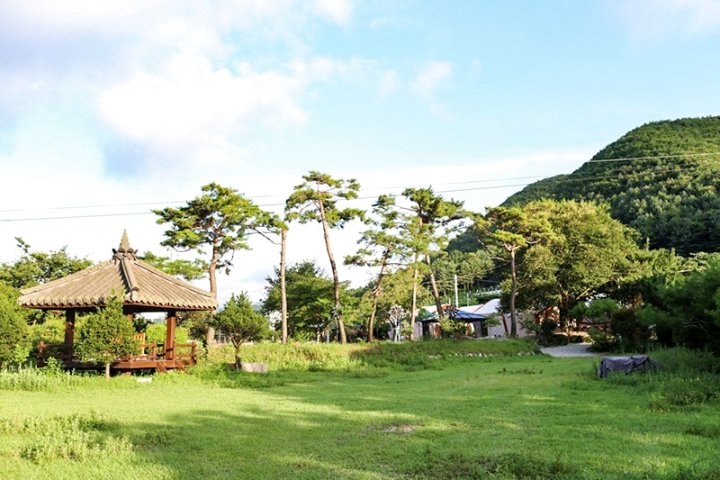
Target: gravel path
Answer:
pixel 570 350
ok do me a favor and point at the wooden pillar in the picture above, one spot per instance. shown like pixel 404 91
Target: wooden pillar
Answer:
pixel 69 332
pixel 170 335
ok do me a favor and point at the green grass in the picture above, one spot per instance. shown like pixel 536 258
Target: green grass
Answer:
pixel 502 417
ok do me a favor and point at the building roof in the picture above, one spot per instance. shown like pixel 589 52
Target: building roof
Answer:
pixel 488 308
pixel 456 314
pixel 140 284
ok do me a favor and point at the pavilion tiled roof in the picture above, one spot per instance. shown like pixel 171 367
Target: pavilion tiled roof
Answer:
pixel 140 285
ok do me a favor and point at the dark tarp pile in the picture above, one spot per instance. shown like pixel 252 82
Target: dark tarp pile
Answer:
pixel 625 364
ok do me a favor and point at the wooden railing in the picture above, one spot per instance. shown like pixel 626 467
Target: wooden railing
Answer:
pixel 59 351
pixel 184 352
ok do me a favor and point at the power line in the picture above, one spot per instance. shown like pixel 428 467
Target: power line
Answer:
pixel 579 177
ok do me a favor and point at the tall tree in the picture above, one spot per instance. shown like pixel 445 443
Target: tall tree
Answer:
pixel 381 243
pixel 316 200
pixel 589 253
pixel 219 220
pixel 430 224
pixel 513 229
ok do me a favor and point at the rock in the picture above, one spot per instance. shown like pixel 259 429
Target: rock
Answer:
pixel 253 367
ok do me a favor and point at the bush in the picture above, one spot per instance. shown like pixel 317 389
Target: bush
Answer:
pixel 631 333
pixel 155 332
pixel 601 340
pixel 14 345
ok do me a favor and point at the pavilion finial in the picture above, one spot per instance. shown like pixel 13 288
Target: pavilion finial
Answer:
pixel 124 243
pixel 124 250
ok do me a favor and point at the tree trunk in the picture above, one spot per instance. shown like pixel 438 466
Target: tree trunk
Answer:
pixel 376 296
pixel 238 362
pixel 283 286
pixel 336 278
pixel 435 292
pixel 413 314
pixel 107 372
pixel 210 337
pixel 513 295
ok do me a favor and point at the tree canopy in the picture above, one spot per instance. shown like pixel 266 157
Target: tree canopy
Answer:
pixel 33 268
pixel 188 270
pixel 219 220
pixel 588 253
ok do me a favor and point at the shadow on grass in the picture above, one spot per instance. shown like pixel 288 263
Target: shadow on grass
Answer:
pixel 457 423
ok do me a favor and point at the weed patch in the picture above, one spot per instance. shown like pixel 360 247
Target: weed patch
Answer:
pixel 505 466
pixel 76 437
pixel 706 431
pixel 37 380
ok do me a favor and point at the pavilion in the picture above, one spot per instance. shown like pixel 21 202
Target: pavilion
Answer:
pixel 143 288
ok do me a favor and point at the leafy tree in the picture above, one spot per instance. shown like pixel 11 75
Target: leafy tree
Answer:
pixel 513 229
pixel 309 298
pixel 34 268
pixel 429 226
pixel 589 253
pixel 600 310
pixel 106 336
pixel 13 328
pixel 240 322
pixel 381 245
pixel 220 220
pixel 315 200
pixel 188 270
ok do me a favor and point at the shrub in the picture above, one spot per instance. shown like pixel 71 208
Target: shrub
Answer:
pixel 155 332
pixel 106 336
pixel 13 329
pixel 631 333
pixel 601 340
pixel 241 323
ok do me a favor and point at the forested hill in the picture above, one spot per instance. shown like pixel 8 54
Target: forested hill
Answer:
pixel 662 178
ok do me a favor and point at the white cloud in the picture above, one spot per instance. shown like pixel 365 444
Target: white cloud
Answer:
pixel 190 100
pixel 389 84
pixel 653 20
pixel 429 80
pixel 433 75
pixel 337 10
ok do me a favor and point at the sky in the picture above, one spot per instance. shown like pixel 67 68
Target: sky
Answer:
pixel 110 109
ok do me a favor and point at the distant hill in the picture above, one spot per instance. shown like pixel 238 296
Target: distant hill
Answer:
pixel 662 178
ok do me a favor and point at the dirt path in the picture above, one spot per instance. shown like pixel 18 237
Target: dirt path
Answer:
pixel 570 350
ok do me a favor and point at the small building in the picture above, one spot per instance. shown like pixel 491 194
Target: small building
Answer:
pixel 143 288
pixel 474 321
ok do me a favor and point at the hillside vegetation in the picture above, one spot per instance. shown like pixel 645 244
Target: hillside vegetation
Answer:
pixel 661 178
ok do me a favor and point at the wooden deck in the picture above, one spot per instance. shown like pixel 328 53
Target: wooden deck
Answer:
pixel 153 356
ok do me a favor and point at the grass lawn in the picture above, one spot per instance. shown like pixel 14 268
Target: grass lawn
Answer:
pixel 499 417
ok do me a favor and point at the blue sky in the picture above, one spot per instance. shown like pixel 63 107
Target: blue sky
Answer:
pixel 123 102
